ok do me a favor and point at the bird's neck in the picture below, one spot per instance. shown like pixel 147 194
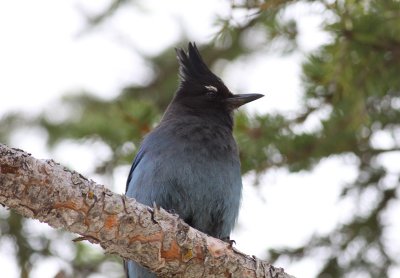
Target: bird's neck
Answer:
pixel 180 113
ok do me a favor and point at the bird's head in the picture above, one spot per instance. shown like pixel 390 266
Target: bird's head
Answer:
pixel 201 90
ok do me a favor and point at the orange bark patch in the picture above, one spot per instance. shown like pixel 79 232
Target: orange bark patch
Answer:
pixel 173 253
pixel 6 169
pixel 199 252
pixel 77 206
pixel 110 222
pixel 150 238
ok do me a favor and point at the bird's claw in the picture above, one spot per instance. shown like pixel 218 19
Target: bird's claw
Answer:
pixel 229 240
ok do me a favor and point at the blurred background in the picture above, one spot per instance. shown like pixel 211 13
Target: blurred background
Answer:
pixel 83 81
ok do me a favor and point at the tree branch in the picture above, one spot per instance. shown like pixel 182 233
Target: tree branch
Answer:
pixel 51 193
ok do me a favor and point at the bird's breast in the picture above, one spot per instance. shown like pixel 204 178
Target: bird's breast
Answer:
pixel 195 171
pixel 205 139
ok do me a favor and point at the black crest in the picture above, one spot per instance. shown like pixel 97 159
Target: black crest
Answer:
pixel 193 69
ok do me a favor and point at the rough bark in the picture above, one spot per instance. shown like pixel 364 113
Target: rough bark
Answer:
pixel 51 193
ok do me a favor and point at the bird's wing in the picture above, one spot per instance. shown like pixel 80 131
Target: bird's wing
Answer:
pixel 136 161
pixel 126 268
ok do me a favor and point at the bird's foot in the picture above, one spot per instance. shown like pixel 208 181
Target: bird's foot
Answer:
pixel 228 240
pixel 171 211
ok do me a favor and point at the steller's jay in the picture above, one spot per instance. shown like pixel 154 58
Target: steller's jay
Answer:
pixel 189 163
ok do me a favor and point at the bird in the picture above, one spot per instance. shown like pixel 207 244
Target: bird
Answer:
pixel 189 163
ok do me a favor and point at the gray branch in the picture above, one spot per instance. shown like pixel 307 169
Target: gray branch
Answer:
pixel 51 193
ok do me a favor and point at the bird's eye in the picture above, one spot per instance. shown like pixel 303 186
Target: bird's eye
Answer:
pixel 211 91
pixel 211 94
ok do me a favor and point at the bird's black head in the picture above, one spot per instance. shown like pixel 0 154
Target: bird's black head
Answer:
pixel 201 91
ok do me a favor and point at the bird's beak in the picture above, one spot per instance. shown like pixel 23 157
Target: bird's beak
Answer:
pixel 236 101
